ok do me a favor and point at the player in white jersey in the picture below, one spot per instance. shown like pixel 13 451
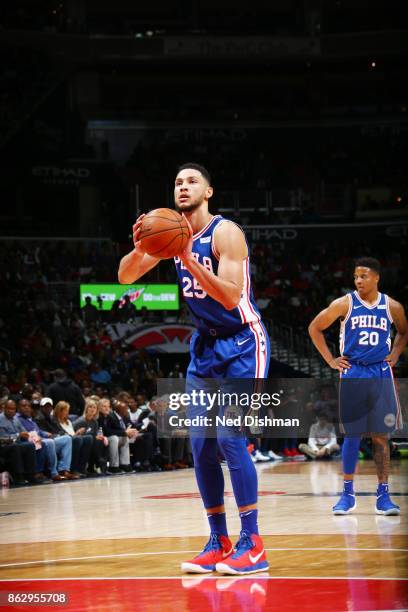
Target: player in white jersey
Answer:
pixel 368 402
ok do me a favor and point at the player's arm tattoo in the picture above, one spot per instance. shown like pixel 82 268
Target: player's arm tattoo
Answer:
pixel 381 452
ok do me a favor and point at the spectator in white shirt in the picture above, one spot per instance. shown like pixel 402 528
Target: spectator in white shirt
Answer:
pixel 322 440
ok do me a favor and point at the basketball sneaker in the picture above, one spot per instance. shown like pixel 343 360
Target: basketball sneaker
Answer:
pixel 217 549
pixel 346 504
pixel 384 505
pixel 274 456
pixel 249 557
pixel 260 456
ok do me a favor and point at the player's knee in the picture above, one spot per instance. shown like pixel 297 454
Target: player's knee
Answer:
pixel 234 450
pixel 380 440
pixel 351 443
pixel 203 454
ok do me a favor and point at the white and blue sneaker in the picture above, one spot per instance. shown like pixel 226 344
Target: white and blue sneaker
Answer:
pixel 346 504
pixel 384 505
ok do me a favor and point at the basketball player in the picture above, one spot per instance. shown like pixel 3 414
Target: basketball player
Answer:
pixel 368 406
pixel 230 342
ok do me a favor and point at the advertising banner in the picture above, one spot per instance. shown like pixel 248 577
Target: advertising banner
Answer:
pixel 152 297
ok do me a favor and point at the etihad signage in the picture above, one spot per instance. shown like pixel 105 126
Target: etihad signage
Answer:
pixel 61 175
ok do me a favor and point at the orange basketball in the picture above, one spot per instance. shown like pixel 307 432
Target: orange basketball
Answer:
pixel 163 233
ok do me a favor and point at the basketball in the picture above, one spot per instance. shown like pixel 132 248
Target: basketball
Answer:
pixel 164 233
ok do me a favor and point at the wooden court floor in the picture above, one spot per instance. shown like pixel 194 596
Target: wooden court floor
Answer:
pixel 110 538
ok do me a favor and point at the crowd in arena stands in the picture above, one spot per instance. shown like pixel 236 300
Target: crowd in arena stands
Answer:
pixel 43 328
pixel 43 331
pixel 292 289
pixel 38 263
pixel 43 441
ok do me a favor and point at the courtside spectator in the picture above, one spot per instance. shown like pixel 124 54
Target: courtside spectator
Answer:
pixel 89 422
pixel 120 425
pixel 144 449
pixel 322 441
pixel 25 458
pixel 20 464
pixel 45 422
pixel 119 453
pixel 81 442
pixel 58 449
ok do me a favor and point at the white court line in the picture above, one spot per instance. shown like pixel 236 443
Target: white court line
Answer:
pixel 347 548
pixel 215 577
pixel 181 552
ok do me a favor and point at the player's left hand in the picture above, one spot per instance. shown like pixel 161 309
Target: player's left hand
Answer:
pixel 186 253
pixel 136 231
pixel 391 359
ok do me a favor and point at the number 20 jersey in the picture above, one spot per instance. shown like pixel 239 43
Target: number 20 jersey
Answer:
pixel 365 330
pixel 208 313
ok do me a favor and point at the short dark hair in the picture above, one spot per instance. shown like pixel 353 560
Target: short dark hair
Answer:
pixel 198 167
pixel 368 262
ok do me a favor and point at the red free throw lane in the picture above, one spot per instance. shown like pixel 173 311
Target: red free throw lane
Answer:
pixel 213 594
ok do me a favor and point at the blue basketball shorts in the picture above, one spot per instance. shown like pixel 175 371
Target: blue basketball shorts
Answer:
pixel 368 400
pixel 231 364
pixel 243 355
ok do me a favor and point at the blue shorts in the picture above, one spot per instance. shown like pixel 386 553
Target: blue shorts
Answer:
pixel 243 355
pixel 229 364
pixel 368 401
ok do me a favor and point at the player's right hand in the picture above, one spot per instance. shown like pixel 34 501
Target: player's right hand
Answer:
pixel 136 231
pixel 340 363
pixel 187 251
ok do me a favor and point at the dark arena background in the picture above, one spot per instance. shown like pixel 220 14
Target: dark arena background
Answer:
pixel 299 109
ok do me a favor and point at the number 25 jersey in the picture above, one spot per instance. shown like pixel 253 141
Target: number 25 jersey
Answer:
pixel 365 330
pixel 208 313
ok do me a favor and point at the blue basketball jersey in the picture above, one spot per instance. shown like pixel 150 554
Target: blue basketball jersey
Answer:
pixel 365 331
pixel 207 313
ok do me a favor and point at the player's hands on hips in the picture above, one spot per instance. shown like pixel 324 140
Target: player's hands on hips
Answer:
pixel 391 359
pixel 136 231
pixel 340 363
pixel 186 253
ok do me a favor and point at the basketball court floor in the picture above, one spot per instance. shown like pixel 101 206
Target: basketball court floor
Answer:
pixel 117 543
